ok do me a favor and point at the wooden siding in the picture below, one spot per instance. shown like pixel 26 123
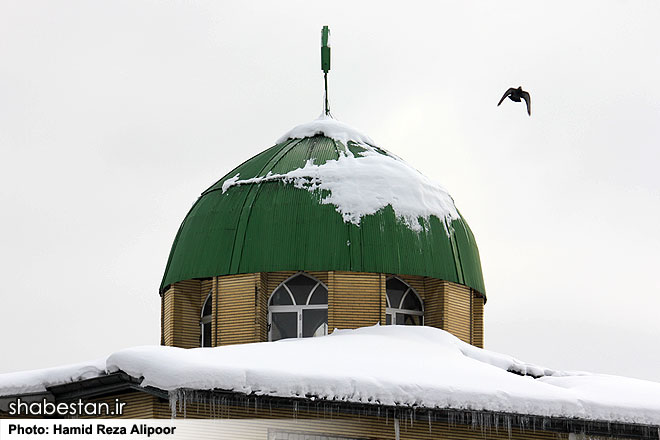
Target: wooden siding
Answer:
pixel 167 317
pixel 434 303
pixel 214 317
pixel 478 320
pixel 262 307
pixel 181 313
pixel 274 279
pixel 458 308
pixel 355 299
pixel 238 303
pixel 450 306
pixel 260 420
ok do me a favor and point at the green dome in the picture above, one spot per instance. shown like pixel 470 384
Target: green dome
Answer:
pixel 271 214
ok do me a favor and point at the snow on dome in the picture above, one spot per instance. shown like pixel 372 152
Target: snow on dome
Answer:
pixel 432 369
pixel 328 127
pixel 362 184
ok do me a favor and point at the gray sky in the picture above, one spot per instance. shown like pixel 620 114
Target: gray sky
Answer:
pixel 115 115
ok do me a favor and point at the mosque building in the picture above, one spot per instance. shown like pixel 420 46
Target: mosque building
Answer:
pixel 326 280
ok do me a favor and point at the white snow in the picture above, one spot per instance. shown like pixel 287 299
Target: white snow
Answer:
pixel 361 185
pixel 36 381
pixel 328 127
pixel 391 365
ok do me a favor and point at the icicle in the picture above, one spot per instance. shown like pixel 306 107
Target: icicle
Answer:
pixel 173 397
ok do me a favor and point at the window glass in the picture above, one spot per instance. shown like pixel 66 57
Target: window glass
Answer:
pixel 395 291
pixel 314 322
pixel 411 302
pixel 206 311
pixel 300 287
pixel 408 319
pixel 205 322
pixel 281 298
pixel 206 334
pixel 404 307
pixel 298 308
pixel 320 295
pixel 285 325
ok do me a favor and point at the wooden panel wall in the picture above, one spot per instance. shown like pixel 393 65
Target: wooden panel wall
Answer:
pixel 355 299
pixel 434 303
pixel 274 279
pixel 167 317
pixel 477 320
pixel 449 306
pixel 262 307
pixel 181 314
pixel 214 318
pixel 238 302
pixel 458 310
pixel 341 425
pixel 240 305
pixel 206 286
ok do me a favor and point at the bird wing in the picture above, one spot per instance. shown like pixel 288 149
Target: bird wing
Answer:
pixel 528 100
pixel 507 93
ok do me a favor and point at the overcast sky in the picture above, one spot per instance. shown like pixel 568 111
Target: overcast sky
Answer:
pixel 115 115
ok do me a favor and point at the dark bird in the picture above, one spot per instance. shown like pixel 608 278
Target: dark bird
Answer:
pixel 517 95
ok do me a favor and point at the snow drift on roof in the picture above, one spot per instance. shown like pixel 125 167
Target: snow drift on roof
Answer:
pixel 362 184
pixel 36 381
pixel 390 365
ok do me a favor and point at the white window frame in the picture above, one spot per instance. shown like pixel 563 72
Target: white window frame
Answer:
pixel 206 319
pixel 392 311
pixel 295 308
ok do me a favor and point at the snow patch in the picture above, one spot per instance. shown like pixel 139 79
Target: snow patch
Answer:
pixel 327 127
pixel 389 365
pixel 36 381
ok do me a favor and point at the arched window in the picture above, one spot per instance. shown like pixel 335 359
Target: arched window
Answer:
pixel 404 307
pixel 298 308
pixel 205 321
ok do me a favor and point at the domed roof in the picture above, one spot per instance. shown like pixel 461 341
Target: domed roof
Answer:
pixel 325 197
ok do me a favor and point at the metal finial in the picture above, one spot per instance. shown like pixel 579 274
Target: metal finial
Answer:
pixel 325 65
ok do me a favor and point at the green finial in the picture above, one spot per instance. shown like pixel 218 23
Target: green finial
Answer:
pixel 325 50
pixel 325 65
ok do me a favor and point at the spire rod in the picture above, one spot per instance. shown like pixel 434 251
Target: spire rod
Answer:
pixel 325 66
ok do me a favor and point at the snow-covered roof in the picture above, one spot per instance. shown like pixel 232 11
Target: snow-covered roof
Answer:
pixel 389 365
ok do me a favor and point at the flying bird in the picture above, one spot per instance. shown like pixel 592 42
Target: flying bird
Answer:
pixel 516 95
